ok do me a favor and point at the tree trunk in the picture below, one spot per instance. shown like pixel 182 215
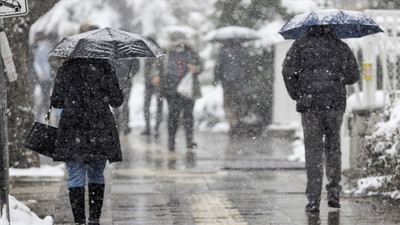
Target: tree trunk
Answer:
pixel 20 110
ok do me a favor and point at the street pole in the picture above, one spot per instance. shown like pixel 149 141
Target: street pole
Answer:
pixel 4 160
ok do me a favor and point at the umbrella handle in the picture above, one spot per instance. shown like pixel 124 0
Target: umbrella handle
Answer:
pixel 47 117
pixel 130 69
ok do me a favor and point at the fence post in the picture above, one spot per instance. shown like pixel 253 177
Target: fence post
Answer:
pixel 4 160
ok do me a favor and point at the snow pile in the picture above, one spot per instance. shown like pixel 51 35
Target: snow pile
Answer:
pixel 208 112
pixel 231 32
pixel 20 214
pixel 380 158
pixel 298 152
pixel 43 171
pixel 369 184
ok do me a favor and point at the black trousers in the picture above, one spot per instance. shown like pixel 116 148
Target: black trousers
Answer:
pixel 322 134
pixel 178 104
pixel 148 93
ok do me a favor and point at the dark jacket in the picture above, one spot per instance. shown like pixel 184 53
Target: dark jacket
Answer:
pixel 177 68
pixel 84 90
pixel 316 70
pixel 233 66
pixel 153 67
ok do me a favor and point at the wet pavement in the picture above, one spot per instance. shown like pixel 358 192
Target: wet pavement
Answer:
pixel 223 181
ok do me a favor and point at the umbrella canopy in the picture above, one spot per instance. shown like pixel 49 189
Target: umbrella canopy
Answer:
pixel 107 43
pixel 232 33
pixel 345 24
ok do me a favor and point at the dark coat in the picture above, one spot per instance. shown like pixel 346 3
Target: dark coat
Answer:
pixel 316 70
pixel 177 68
pixel 233 66
pixel 84 90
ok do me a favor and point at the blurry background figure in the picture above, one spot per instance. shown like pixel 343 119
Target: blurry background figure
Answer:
pixel 153 70
pixel 233 69
pixel 125 70
pixel 182 61
pixel 43 76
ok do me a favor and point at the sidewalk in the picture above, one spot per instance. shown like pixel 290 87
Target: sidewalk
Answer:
pixel 248 181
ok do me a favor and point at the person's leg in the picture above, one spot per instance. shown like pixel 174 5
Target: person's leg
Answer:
pixel 174 109
pixel 230 114
pixel 188 106
pixel 96 190
pixel 76 188
pixel 125 110
pixel 333 123
pixel 159 116
pixel 313 142
pixel 146 108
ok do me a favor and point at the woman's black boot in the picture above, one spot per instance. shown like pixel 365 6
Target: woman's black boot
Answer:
pixel 77 200
pixel 96 195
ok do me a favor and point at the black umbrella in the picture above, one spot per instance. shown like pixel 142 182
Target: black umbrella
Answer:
pixel 107 43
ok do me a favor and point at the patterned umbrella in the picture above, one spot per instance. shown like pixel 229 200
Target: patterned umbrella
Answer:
pixel 345 24
pixel 107 43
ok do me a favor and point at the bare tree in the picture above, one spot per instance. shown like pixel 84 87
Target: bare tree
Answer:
pixel 20 113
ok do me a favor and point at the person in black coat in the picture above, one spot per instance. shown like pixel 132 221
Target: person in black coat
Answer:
pixel 153 70
pixel 233 69
pixel 316 70
pixel 87 135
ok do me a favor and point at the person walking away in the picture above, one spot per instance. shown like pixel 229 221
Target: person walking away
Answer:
pixel 182 59
pixel 233 69
pixel 153 70
pixel 87 134
pixel 316 70
pixel 125 70
pixel 43 77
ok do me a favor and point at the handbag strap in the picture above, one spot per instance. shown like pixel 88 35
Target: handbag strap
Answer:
pixel 47 117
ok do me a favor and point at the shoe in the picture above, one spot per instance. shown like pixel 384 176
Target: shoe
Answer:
pixel 156 135
pixel 127 130
pixel 334 203
pixel 192 145
pixel 312 207
pixel 146 132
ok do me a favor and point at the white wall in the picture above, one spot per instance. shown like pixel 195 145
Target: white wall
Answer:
pixel 284 108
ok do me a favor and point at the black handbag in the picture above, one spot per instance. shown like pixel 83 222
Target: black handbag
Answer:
pixel 42 137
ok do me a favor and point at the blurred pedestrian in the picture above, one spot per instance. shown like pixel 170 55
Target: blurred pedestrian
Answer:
pixel 87 135
pixel 233 69
pixel 43 78
pixel 316 70
pixel 153 70
pixel 125 70
pixel 182 61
